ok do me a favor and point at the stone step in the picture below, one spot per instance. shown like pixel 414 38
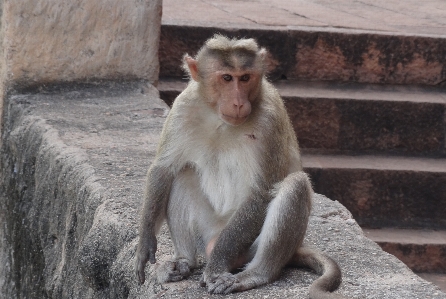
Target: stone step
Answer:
pixel 351 117
pixel 435 278
pixel 318 40
pixel 384 191
pixel 423 251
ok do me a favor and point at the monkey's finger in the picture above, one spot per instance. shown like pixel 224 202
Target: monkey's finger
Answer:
pixel 141 275
pixel 236 287
pixel 183 267
pixel 152 258
pixel 152 246
pixel 221 286
pixel 139 270
pixel 202 282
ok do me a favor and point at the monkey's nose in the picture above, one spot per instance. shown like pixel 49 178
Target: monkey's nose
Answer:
pixel 238 106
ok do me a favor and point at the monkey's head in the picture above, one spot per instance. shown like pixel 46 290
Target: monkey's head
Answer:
pixel 229 73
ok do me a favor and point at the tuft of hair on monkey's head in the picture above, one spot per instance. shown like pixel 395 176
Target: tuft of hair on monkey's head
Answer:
pixel 229 53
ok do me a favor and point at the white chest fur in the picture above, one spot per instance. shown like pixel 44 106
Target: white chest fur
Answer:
pixel 227 168
pixel 226 158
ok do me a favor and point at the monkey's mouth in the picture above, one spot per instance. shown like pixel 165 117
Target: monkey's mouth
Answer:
pixel 234 120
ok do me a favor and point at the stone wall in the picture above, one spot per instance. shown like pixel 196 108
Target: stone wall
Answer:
pixel 53 41
pixel 49 192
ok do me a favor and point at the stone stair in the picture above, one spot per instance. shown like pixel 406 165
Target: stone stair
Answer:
pixel 369 110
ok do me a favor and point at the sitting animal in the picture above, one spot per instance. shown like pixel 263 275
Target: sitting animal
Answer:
pixel 228 179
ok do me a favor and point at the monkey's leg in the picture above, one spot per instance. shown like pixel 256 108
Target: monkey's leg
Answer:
pixel 283 231
pixel 192 224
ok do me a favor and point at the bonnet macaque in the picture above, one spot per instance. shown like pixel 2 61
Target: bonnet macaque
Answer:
pixel 228 179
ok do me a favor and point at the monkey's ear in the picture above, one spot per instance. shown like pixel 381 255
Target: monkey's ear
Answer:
pixel 192 67
pixel 266 60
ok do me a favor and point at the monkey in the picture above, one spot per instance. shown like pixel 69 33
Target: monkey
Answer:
pixel 227 177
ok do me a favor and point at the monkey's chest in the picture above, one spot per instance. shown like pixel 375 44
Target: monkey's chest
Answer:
pixel 228 176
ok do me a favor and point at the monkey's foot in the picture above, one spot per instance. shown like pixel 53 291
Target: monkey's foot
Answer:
pixel 221 284
pixel 173 271
pixel 249 279
pixel 228 283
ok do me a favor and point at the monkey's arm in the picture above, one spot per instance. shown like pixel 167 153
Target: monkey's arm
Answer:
pixel 236 238
pixel 159 183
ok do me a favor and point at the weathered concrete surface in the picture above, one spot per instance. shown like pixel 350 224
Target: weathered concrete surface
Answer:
pixel 73 164
pixel 47 41
pixel 52 40
pixel 410 17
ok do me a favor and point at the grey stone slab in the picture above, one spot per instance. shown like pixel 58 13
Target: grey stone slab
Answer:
pixel 408 17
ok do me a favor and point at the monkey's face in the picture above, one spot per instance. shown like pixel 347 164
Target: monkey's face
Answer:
pixel 233 93
pixel 229 84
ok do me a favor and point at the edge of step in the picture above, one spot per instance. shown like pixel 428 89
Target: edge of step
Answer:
pixel 319 54
pixel 423 251
pixel 338 90
pixel 375 162
pixel 436 278
pixel 383 191
pixel 406 236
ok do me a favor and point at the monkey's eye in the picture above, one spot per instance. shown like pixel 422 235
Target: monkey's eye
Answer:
pixel 227 77
pixel 245 78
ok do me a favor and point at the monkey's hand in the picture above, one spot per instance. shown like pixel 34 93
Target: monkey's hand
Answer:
pixel 173 270
pixel 145 252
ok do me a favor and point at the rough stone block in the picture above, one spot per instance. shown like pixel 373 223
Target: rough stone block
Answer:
pixel 55 41
pixel 47 41
pixel 319 54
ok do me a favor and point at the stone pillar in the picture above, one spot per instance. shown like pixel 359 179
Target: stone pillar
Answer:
pixel 60 41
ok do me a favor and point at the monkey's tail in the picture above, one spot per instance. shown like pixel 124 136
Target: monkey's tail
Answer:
pixel 329 270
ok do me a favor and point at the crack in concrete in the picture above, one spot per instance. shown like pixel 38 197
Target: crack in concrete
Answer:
pixel 302 16
pixel 398 12
pixel 229 12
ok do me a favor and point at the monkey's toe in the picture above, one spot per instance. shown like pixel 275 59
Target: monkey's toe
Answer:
pixel 223 284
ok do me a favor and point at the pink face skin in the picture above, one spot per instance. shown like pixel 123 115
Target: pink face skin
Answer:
pixel 233 91
pixel 230 91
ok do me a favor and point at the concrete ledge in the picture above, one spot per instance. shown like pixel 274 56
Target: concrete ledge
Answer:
pixel 73 163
